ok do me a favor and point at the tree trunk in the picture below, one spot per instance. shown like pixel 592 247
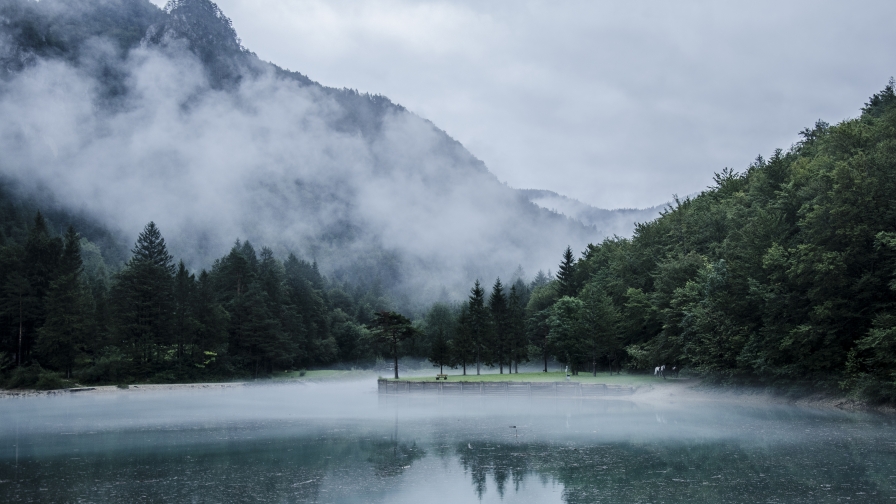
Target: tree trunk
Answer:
pixel 477 360
pixel 395 356
pixel 19 356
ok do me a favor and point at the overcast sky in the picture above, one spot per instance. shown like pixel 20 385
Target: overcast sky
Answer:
pixel 615 103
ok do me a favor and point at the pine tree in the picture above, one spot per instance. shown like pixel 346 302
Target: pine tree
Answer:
pixel 261 334
pixel 516 328
pixel 478 323
pixel 497 304
pixel 440 352
pixel 463 347
pixel 20 304
pixel 538 310
pixel 40 263
pixel 185 325
pixel 566 281
pixel 539 280
pixel 143 297
pixel 232 276
pixel 312 317
pixel 212 322
pixel 522 291
pixel 68 307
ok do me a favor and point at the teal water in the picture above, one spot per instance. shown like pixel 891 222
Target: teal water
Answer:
pixel 341 443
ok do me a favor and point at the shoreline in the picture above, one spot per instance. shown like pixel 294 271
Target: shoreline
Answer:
pixel 694 391
pixel 668 392
pixel 106 389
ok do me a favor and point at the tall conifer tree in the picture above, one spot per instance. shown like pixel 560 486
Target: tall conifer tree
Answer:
pixel 143 296
pixel 68 306
pixel 566 281
pixel 463 347
pixel 478 322
pixel 40 263
pixel 516 328
pixel 497 304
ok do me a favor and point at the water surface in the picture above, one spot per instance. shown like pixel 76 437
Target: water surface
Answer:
pixel 342 443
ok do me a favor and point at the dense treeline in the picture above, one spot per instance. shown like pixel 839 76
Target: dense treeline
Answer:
pixel 784 272
pixel 66 314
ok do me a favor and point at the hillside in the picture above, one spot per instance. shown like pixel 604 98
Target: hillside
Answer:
pixel 607 223
pixel 130 114
pixel 780 274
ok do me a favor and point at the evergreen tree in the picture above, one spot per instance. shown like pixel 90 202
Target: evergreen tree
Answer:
pixel 522 291
pixel 538 311
pixel 143 297
pixel 304 284
pixel 566 275
pixel 440 352
pixel 497 304
pixel 260 338
pixel 69 310
pixel 212 321
pixel 40 263
pixel 539 280
pixel 439 322
pixel 516 328
pixel 478 323
pixel 463 346
pixel 18 304
pixel 184 323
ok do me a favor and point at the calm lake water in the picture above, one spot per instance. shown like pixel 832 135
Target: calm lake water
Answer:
pixel 342 443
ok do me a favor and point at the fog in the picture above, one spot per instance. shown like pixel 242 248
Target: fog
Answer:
pixel 342 442
pixel 667 413
pixel 268 160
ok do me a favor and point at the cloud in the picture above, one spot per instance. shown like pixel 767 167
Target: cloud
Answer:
pixel 617 104
pixel 267 162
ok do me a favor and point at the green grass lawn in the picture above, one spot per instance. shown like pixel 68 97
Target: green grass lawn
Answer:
pixel 325 375
pixel 453 375
pixel 615 379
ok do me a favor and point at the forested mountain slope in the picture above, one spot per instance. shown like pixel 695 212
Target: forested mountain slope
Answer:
pixel 130 114
pixel 784 272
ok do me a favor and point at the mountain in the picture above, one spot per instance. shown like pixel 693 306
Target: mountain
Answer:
pixel 608 223
pixel 128 113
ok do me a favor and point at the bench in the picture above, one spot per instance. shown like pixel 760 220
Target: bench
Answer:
pixel 441 377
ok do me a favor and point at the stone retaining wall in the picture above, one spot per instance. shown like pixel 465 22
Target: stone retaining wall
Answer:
pixel 503 389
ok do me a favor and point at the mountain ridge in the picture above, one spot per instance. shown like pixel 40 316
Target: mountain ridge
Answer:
pixel 186 127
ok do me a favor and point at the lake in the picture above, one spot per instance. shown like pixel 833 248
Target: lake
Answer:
pixel 343 443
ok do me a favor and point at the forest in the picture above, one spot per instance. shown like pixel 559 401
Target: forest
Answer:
pixel 67 315
pixel 780 274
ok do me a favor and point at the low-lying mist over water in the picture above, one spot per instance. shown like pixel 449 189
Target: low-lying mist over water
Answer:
pixel 305 215
pixel 341 442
